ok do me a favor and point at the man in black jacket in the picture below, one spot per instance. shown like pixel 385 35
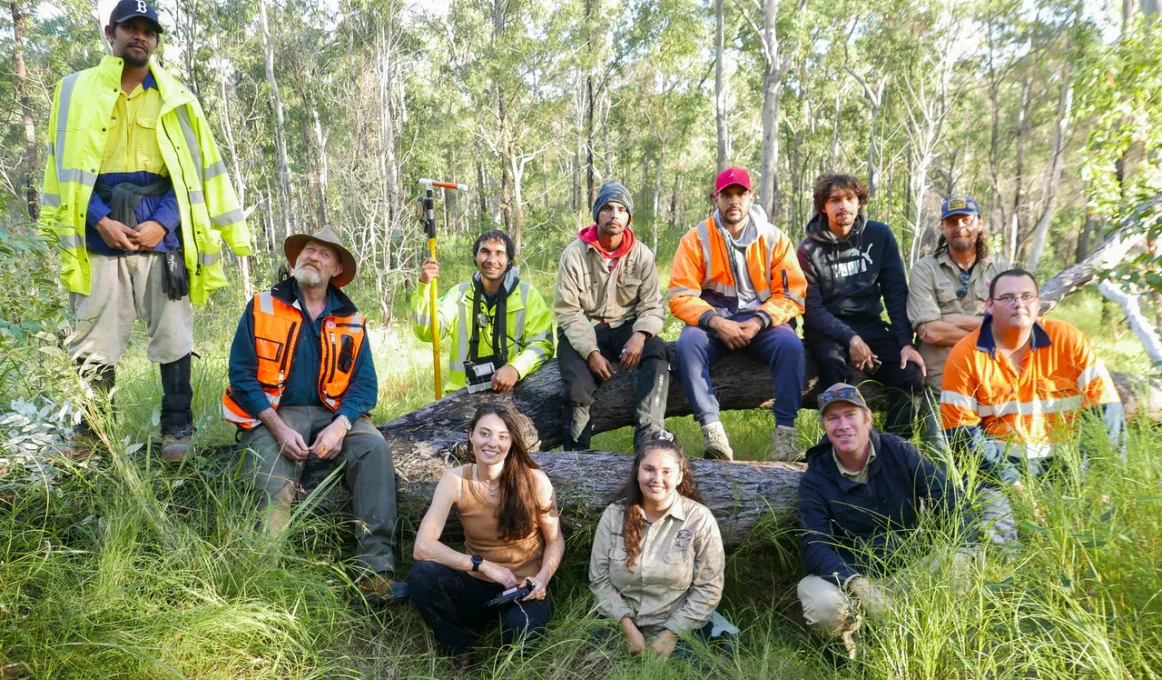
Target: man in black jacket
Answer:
pixel 853 270
pixel 860 496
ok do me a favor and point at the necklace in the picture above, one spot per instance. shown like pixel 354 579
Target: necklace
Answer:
pixel 491 489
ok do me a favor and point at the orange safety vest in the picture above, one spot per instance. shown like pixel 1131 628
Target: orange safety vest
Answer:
pixel 701 278
pixel 277 326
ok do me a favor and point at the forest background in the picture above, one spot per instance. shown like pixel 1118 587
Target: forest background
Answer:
pixel 1048 112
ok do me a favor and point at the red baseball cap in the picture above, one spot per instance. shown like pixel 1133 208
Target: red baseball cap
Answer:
pixel 732 176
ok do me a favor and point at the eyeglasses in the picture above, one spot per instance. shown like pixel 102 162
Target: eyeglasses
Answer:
pixel 1023 298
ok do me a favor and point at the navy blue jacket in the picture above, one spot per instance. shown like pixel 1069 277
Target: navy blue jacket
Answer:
pixel 850 528
pixel 853 279
pixel 302 385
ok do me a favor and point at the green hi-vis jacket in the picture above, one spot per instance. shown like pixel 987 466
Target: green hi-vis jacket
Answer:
pixel 209 209
pixel 529 325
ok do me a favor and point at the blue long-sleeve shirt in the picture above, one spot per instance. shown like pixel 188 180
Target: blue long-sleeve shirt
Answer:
pixel 302 384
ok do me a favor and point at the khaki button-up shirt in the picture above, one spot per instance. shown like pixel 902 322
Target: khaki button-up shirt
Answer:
pixel 932 291
pixel 675 584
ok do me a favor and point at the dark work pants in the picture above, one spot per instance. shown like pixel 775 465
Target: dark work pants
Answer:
pixel 451 602
pixel 653 385
pixel 777 347
pixel 833 362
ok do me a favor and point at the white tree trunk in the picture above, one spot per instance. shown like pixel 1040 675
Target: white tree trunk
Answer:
pixel 1138 322
pixel 279 139
pixel 720 86
pixel 1041 231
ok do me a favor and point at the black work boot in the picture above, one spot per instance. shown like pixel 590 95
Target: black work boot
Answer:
pixel 177 417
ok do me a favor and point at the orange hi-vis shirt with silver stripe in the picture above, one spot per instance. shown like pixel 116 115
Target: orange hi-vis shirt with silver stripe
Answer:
pixel 1060 375
pixel 701 275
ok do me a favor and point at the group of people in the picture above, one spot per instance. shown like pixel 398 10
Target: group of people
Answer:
pixel 138 200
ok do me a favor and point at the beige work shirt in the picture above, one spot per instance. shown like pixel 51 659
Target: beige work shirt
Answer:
pixel 589 293
pixel 675 584
pixel 932 293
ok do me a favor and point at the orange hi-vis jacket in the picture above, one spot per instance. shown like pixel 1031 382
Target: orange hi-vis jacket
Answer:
pixel 277 326
pixel 1031 410
pixel 702 284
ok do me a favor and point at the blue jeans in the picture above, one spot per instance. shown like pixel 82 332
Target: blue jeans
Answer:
pixel 778 347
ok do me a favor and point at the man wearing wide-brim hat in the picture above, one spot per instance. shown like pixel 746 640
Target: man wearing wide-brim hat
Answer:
pixel 302 381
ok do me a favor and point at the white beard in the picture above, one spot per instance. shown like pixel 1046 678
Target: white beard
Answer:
pixel 309 277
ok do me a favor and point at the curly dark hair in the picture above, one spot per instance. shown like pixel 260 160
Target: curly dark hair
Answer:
pixel 630 495
pixel 495 235
pixel 518 509
pixel 828 182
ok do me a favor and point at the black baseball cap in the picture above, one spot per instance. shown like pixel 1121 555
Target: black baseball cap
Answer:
pixel 132 9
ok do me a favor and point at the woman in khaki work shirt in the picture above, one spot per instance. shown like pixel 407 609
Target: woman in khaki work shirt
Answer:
pixel 512 533
pixel 657 562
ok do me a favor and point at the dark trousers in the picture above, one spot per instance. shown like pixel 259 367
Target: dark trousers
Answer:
pixel 653 385
pixel 833 361
pixel 778 347
pixel 451 602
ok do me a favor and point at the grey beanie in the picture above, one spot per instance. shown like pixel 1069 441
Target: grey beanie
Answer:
pixel 613 192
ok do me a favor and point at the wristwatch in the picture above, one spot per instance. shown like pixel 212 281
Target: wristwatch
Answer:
pixel 345 420
pixel 477 560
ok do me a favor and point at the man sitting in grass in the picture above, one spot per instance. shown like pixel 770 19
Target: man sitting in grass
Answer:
pixel 302 381
pixel 861 492
pixel 499 326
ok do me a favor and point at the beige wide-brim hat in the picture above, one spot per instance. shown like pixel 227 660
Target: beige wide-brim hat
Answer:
pixel 295 243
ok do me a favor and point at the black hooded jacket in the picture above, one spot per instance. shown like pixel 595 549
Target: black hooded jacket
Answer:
pixel 850 280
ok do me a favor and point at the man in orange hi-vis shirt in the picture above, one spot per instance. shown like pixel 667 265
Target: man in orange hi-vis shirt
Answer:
pixel 1013 388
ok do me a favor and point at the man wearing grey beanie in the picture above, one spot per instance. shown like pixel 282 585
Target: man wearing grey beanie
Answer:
pixel 610 310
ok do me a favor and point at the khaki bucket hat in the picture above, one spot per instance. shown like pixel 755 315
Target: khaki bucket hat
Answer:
pixel 295 243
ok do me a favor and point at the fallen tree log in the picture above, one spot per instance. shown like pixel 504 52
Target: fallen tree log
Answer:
pixel 428 441
pixel 740 494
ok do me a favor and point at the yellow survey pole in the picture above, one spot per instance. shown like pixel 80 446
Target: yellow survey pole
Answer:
pixel 433 311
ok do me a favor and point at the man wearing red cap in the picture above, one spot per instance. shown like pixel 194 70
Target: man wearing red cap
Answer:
pixel 737 284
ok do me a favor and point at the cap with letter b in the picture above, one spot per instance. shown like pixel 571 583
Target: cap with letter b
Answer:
pixel 127 10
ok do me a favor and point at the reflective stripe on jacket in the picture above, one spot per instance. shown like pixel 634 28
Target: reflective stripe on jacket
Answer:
pixel 78 124
pixel 529 325
pixel 702 284
pixel 1061 374
pixel 277 328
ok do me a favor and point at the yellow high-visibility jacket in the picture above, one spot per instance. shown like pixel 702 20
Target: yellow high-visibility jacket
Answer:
pixel 77 126
pixel 528 325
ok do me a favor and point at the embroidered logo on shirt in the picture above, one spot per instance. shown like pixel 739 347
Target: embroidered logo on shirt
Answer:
pixel 682 540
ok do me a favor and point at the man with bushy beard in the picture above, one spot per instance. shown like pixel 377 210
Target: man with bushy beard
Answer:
pixel 854 271
pixel 302 382
pixel 947 293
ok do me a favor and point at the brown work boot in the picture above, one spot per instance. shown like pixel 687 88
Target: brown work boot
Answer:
pixel 76 446
pixel 784 448
pixel 716 442
pixel 379 588
pixel 174 445
pixel 467 663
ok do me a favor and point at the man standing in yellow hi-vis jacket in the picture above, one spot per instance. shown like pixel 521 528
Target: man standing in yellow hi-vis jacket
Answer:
pixel 137 199
pixel 499 327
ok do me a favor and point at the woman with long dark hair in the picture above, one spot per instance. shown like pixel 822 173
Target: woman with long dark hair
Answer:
pixel 657 563
pixel 512 533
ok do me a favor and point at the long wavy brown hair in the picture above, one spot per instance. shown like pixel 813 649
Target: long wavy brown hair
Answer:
pixel 630 495
pixel 518 511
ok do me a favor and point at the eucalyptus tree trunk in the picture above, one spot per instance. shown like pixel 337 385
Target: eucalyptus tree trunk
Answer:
pixel 1053 175
pixel 720 86
pixel 284 183
pixel 31 194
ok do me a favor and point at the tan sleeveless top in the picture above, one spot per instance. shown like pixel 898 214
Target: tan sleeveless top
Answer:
pixel 478 516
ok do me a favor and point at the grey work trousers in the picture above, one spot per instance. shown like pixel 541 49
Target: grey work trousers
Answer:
pixel 369 473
